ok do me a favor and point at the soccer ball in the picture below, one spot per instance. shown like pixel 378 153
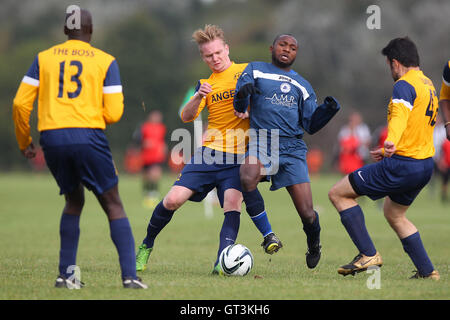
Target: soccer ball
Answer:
pixel 236 260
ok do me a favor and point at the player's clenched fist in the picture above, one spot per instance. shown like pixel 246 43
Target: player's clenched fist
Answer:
pixel 204 89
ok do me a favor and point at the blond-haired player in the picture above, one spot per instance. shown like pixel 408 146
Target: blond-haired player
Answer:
pixel 216 163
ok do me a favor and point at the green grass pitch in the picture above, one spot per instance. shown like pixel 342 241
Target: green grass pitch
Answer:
pixel 184 253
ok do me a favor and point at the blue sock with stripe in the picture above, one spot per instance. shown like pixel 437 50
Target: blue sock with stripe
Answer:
pixel 69 231
pixel 254 203
pixel 354 222
pixel 160 218
pixel 229 231
pixel 122 238
pixel 413 246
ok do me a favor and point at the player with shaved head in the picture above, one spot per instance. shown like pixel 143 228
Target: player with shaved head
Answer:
pixel 80 92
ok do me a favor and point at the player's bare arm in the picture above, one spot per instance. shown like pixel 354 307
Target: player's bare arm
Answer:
pixel 191 107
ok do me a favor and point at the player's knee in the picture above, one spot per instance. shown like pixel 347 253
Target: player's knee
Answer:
pixel 74 204
pixel 172 202
pixel 248 181
pixel 307 214
pixel 233 203
pixel 395 221
pixel 114 210
pixel 232 207
pixel 74 208
pixel 333 195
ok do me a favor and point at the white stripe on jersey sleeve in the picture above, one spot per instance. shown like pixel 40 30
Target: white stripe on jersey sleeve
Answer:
pixel 31 81
pixel 446 82
pixel 112 89
pixel 278 77
pixel 403 102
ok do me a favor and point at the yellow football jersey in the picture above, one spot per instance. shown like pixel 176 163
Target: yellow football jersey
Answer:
pixel 225 131
pixel 412 115
pixel 78 86
pixel 445 88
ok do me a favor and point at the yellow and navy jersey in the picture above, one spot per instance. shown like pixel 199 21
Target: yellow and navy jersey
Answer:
pixel 445 88
pixel 77 85
pixel 412 115
pixel 225 132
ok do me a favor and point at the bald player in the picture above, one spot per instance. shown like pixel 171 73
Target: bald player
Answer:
pixel 79 92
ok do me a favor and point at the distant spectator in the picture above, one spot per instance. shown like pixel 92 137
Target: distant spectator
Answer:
pixel 153 154
pixel 444 166
pixel 380 136
pixel 441 156
pixel 354 140
pixel 314 159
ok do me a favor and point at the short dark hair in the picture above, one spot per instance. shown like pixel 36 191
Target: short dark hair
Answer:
pixel 403 50
pixel 283 35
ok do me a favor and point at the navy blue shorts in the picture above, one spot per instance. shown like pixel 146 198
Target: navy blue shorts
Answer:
pixel 400 178
pixel 79 155
pixel 209 169
pixel 285 161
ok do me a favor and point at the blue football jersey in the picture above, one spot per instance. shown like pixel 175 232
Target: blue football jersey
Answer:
pixel 287 101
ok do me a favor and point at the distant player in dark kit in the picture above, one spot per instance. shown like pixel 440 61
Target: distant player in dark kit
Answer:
pixel 282 106
pixel 404 166
pixel 80 92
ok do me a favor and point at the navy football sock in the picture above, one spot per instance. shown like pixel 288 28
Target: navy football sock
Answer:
pixel 353 221
pixel 229 231
pixel 160 218
pixel 254 203
pixel 69 231
pixel 312 231
pixel 122 237
pixel 413 246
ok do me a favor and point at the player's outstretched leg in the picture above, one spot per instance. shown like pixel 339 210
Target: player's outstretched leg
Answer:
pixel 312 231
pixel 301 195
pixel 69 231
pixel 228 235
pixel 342 196
pixel 160 218
pixel 123 240
pixel 250 175
pixel 354 222
pixel 409 236
pixel 122 237
pixel 255 208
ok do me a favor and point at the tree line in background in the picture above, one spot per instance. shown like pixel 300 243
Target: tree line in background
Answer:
pixel 158 62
